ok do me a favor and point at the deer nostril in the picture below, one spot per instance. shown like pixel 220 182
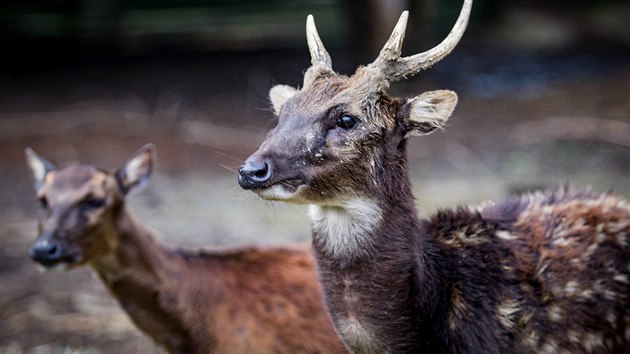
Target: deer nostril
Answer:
pixel 262 172
pixel 253 173
pixel 53 250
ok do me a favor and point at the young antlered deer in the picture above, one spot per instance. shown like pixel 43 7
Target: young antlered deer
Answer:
pixel 245 300
pixel 542 273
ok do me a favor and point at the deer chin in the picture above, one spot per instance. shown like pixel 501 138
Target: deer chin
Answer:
pixel 67 263
pixel 58 267
pixel 282 192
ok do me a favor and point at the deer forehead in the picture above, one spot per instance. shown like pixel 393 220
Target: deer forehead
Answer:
pixel 331 91
pixel 75 182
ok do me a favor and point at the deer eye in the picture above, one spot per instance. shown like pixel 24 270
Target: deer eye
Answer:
pixel 346 122
pixel 92 204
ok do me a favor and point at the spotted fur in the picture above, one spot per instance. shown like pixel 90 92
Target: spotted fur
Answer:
pixel 550 273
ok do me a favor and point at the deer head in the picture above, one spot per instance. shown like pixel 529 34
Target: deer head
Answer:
pixel 79 205
pixel 335 134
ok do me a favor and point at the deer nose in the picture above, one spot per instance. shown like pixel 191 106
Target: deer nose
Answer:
pixel 46 252
pixel 254 173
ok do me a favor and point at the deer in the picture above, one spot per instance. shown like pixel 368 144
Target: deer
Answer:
pixel 543 272
pixel 240 300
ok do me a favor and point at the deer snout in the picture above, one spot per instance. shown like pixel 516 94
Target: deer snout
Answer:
pixel 46 252
pixel 254 173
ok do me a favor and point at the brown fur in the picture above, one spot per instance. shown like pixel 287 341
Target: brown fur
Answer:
pixel 246 300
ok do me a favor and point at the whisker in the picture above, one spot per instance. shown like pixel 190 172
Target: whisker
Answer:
pixel 273 120
pixel 296 210
pixel 244 142
pixel 273 209
pixel 226 155
pixel 228 168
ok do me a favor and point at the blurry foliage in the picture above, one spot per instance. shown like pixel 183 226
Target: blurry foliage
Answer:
pixel 68 29
pixel 71 18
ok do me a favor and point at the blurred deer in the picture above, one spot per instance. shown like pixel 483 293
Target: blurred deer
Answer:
pixel 246 300
pixel 541 273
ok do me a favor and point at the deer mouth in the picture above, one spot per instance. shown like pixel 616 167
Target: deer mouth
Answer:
pixel 282 190
pixel 67 263
pixel 61 266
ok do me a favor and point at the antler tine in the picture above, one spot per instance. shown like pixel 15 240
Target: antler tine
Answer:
pixel 393 47
pixel 319 55
pixel 411 65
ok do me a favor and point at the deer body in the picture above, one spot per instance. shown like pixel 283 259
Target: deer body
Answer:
pixel 235 301
pixel 543 273
pixel 245 300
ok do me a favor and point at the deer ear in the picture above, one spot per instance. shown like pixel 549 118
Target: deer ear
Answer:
pixel 429 111
pixel 279 94
pixel 39 167
pixel 135 174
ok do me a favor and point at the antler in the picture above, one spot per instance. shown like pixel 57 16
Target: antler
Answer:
pixel 394 67
pixel 319 55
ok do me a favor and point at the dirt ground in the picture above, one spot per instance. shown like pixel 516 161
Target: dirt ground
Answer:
pixel 524 122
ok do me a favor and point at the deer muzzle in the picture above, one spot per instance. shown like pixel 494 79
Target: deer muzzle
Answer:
pixel 49 251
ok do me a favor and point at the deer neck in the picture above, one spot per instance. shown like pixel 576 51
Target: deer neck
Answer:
pixel 137 254
pixel 143 276
pixel 371 256
pixel 363 227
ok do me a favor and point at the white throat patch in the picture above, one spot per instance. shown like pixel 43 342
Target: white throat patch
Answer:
pixel 356 336
pixel 345 229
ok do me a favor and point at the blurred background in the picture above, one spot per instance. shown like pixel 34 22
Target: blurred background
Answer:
pixel 544 100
